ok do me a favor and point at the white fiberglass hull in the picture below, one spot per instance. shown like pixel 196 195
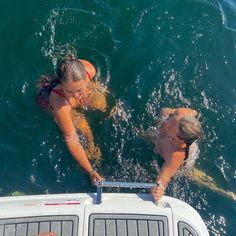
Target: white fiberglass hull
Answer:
pixel 117 215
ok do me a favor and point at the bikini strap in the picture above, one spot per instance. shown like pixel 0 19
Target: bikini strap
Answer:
pixel 89 76
pixel 60 93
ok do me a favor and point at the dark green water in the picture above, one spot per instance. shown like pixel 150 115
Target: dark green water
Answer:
pixel 150 54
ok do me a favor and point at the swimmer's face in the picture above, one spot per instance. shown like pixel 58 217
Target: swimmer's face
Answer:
pixel 76 89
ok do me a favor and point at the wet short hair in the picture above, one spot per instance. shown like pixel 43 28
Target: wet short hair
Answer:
pixel 189 129
pixel 71 70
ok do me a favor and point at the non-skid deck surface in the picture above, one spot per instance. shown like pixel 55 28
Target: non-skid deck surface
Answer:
pixel 127 225
pixel 29 226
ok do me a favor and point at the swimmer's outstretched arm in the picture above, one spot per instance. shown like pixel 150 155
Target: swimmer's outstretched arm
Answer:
pixel 63 118
pixel 169 168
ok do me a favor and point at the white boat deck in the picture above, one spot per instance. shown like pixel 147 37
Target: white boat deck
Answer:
pixel 117 215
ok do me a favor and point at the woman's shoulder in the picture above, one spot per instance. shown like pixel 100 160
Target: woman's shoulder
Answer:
pixel 58 101
pixel 88 67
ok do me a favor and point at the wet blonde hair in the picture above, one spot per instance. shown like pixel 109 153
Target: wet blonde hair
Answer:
pixel 189 129
pixel 71 70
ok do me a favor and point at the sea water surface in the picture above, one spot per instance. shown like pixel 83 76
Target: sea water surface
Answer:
pixel 150 54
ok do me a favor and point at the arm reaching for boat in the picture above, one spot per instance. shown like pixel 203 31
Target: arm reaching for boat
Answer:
pixel 63 118
pixel 65 96
pixel 169 168
pixel 175 131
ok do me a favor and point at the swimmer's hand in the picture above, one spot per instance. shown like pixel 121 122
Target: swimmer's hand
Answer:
pixel 94 176
pixel 158 191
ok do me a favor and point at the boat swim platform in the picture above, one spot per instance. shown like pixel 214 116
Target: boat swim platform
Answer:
pixel 118 215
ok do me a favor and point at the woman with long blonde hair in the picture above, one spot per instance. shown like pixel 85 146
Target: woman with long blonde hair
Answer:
pixel 65 95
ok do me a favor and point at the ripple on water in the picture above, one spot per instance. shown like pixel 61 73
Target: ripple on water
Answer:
pixel 176 70
pixel 80 29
